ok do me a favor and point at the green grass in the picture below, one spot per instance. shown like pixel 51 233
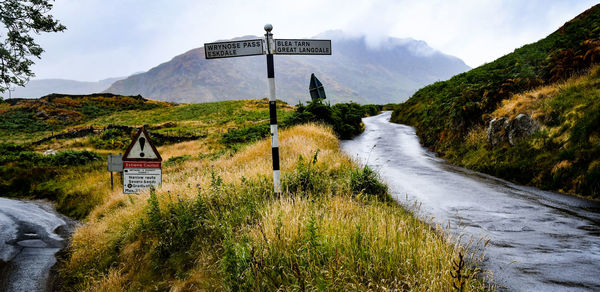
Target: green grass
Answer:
pixel 328 230
pixel 445 114
pixel 211 113
pixel 564 155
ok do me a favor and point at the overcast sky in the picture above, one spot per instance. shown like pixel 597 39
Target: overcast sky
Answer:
pixel 114 38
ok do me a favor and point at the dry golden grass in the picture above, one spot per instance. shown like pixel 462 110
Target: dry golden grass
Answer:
pixel 193 148
pixel 531 102
pixel 405 253
pixel 119 212
pixel 476 137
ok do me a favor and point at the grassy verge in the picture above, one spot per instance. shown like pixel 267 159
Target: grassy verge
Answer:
pixel 564 155
pixel 214 224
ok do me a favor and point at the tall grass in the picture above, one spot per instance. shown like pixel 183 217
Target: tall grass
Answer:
pixel 563 155
pixel 215 225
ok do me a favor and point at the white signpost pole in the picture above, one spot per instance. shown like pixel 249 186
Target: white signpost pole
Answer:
pixel 273 110
pixel 255 47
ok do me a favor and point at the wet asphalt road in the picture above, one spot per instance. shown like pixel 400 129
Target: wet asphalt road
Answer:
pixel 28 244
pixel 538 240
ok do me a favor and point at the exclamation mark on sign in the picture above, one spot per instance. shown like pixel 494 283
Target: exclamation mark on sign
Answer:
pixel 142 143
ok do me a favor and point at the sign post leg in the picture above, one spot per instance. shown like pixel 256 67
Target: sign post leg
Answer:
pixel 111 181
pixel 273 112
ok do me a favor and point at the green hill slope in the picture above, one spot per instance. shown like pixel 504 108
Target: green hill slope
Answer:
pixel 447 114
pixel 24 120
pixel 214 223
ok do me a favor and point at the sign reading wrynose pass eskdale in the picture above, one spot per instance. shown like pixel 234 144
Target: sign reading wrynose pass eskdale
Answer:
pixel 269 46
pixel 233 49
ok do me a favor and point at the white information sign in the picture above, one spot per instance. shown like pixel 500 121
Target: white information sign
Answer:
pixel 233 49
pixel 115 163
pixel 137 179
pixel 302 47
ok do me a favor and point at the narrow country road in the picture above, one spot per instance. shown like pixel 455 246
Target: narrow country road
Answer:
pixel 29 240
pixel 538 241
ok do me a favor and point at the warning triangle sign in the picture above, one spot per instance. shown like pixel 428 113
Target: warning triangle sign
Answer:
pixel 141 148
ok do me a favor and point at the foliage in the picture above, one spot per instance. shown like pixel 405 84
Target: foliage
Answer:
pixel 344 117
pixel 371 109
pixel 365 181
pixel 307 179
pixel 444 111
pixel 111 139
pixel 18 121
pixel 24 173
pixel 245 135
pixel 25 118
pixel 20 155
pixel 176 160
pixel 22 19
pixel 216 225
pixel 450 116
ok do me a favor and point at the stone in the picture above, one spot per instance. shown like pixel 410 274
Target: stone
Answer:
pixel 496 133
pixel 522 126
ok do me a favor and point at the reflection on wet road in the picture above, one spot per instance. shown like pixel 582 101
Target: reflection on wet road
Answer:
pixel 28 243
pixel 539 241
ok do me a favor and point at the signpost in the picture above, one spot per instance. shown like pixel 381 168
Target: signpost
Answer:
pixel 316 89
pixel 141 164
pixel 302 47
pixel 268 47
pixel 115 164
pixel 233 49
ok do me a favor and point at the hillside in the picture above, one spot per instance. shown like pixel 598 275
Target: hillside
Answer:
pixel 354 72
pixel 42 87
pixel 451 117
pixel 214 223
pixel 28 119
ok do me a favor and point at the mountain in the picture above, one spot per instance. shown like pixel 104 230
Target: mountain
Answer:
pixel 354 71
pixel 43 87
pixel 553 82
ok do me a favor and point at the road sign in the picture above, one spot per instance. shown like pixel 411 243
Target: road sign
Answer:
pixel 141 164
pixel 115 163
pixel 282 47
pixel 315 87
pixel 141 148
pixel 137 179
pixel 234 49
pixel 302 47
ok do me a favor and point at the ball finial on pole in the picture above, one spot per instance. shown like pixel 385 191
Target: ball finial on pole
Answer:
pixel 268 27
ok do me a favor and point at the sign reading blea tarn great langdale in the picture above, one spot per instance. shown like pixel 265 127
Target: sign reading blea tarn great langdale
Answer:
pixel 302 47
pixel 233 49
pixel 256 47
pixel 269 47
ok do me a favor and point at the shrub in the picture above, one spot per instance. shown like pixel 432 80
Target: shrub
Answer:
pixel 72 158
pixel 366 181
pixel 177 160
pixel 112 139
pixel 307 178
pixel 245 135
pixel 344 117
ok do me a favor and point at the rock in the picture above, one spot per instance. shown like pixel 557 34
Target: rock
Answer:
pixel 522 126
pixel 502 130
pixel 496 133
pixel 50 152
